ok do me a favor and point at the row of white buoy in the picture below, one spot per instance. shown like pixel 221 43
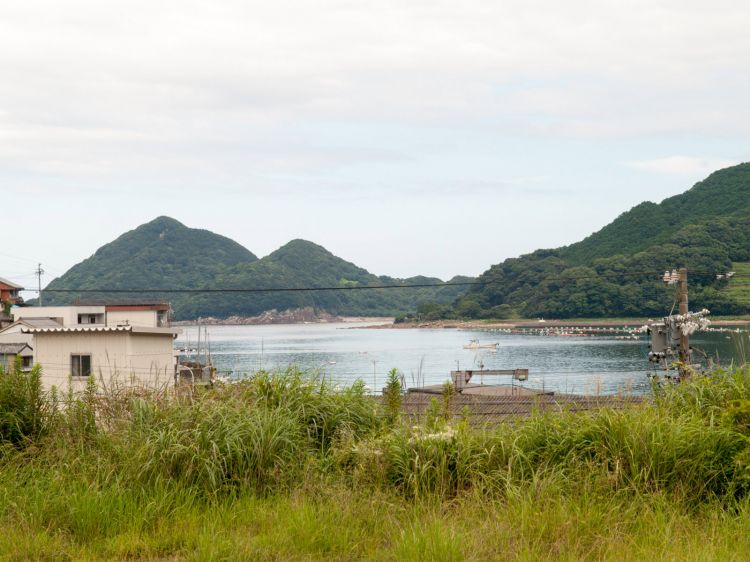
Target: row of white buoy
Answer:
pixel 725 330
pixel 572 331
pixel 621 333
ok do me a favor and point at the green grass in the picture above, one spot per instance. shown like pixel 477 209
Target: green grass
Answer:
pixel 739 287
pixel 284 467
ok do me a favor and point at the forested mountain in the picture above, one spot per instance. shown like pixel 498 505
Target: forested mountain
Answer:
pixel 166 254
pixel 163 252
pixel 705 229
pixel 613 272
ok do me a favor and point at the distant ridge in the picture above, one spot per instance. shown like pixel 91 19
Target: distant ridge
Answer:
pixel 706 229
pixel 723 194
pixel 166 253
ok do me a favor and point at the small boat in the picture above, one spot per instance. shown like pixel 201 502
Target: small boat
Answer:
pixel 474 344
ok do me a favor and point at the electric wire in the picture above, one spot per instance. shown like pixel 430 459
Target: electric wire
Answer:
pixel 230 290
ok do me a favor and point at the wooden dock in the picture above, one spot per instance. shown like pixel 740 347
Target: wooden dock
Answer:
pixel 481 389
pixel 493 408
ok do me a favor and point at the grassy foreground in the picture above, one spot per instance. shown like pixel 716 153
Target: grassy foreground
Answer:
pixel 285 467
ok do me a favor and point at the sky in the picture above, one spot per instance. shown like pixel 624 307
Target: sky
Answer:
pixel 407 136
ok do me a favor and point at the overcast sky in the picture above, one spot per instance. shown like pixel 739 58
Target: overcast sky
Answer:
pixel 408 136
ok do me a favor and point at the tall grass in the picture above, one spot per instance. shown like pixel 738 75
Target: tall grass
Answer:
pixel 23 408
pixel 285 452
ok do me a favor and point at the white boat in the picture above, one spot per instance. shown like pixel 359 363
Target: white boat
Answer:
pixel 474 344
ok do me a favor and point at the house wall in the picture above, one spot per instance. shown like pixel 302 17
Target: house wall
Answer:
pixel 117 359
pixel 8 292
pixel 152 358
pixel 143 318
pixel 68 314
pixel 7 361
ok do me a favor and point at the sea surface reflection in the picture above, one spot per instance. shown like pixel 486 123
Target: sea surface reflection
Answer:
pixel 600 364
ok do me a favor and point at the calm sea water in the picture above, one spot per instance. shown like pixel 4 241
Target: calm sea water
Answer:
pixel 601 364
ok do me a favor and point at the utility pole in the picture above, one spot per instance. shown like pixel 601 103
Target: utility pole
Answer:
pixel 670 339
pixel 683 299
pixel 39 272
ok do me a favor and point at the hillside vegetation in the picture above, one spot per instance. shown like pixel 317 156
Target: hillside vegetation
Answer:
pixel 616 271
pixel 163 252
pixel 166 254
pixel 284 466
pixel 738 288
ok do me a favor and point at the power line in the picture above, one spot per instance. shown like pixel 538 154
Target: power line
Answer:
pixel 19 258
pixel 352 287
pixel 264 290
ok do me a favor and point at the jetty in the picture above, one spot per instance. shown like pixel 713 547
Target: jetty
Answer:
pixel 482 409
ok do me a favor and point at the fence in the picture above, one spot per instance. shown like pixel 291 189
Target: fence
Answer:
pixel 492 409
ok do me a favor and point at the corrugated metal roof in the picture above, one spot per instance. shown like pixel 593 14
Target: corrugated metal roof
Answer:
pixel 58 329
pixel 61 329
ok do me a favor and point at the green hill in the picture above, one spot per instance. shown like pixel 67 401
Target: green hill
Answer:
pixel 301 263
pixel 704 229
pixel 163 252
pixel 723 194
pixel 166 254
pixel 739 286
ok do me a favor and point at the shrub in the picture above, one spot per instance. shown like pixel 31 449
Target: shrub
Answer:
pixel 24 412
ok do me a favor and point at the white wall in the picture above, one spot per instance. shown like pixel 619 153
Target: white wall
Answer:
pixel 69 314
pixel 143 318
pixel 118 359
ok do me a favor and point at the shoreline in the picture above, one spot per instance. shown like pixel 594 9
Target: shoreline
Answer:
pixel 512 324
pixel 388 323
pixel 253 321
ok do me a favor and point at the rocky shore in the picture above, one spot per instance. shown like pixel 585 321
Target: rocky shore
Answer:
pixel 307 315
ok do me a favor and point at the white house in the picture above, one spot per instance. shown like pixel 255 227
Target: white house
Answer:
pixel 118 345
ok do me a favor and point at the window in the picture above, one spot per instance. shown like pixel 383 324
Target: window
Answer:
pixel 80 365
pixel 90 318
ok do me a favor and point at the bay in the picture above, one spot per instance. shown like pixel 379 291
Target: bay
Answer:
pixel 345 352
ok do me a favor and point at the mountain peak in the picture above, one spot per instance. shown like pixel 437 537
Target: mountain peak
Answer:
pixel 300 244
pixel 164 253
pixel 160 253
pixel 164 221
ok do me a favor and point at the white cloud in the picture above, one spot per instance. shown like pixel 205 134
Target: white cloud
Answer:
pixel 683 165
pixel 196 106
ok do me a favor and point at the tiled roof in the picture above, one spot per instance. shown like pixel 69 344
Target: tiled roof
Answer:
pixel 12 348
pixel 32 323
